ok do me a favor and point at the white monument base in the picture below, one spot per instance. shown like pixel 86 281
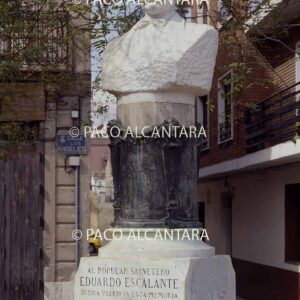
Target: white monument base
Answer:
pixel 136 269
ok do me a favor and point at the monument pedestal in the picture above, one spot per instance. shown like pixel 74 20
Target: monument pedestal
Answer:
pixel 141 264
pixel 156 80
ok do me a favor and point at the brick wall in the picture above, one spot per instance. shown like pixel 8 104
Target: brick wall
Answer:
pixel 279 75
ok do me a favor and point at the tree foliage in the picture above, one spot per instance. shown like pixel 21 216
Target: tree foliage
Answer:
pixel 238 22
pixel 36 44
pixel 32 31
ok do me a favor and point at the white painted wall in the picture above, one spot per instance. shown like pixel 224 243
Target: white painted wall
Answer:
pixel 210 193
pixel 280 154
pixel 258 214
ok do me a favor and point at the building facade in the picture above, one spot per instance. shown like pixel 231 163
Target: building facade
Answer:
pixel 54 180
pixel 249 184
pixel 102 212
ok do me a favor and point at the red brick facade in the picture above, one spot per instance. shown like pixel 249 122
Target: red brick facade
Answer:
pixel 272 62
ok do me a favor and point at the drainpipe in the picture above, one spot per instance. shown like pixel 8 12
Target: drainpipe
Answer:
pixel 74 162
pixel 77 212
pixel 76 116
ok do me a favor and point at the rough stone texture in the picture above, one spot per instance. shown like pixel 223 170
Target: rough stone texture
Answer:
pixel 64 232
pixel 68 103
pixel 60 157
pixel 65 195
pixel 161 59
pixel 82 64
pixel 65 214
pixel 50 122
pixel 161 55
pixel 64 119
pixel 65 271
pixel 64 178
pixel 65 252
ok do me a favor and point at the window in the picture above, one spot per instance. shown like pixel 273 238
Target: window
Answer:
pixel 292 223
pixel 224 11
pixel 202 13
pixel 196 12
pixel 3 44
pixel 2 47
pixel 225 107
pixel 202 111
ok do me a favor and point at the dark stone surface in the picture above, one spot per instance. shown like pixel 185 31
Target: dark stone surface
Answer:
pixel 154 180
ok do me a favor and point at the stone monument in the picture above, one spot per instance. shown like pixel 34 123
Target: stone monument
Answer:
pixel 156 70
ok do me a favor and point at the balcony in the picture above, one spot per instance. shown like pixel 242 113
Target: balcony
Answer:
pixel 42 42
pixel 274 120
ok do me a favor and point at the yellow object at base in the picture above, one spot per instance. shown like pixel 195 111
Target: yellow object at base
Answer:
pixel 95 242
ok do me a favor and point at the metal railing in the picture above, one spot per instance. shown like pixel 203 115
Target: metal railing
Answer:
pixel 274 120
pixel 44 40
pixel 225 131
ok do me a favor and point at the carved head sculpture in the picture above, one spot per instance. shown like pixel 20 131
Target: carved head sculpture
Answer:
pixel 158 9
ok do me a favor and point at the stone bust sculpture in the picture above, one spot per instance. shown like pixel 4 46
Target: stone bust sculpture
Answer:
pixel 156 70
pixel 159 66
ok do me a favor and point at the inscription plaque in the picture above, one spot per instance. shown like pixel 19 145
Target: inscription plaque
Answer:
pixel 127 280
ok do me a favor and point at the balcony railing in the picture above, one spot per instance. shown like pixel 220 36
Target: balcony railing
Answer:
pixel 274 120
pixel 44 41
pixel 225 131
